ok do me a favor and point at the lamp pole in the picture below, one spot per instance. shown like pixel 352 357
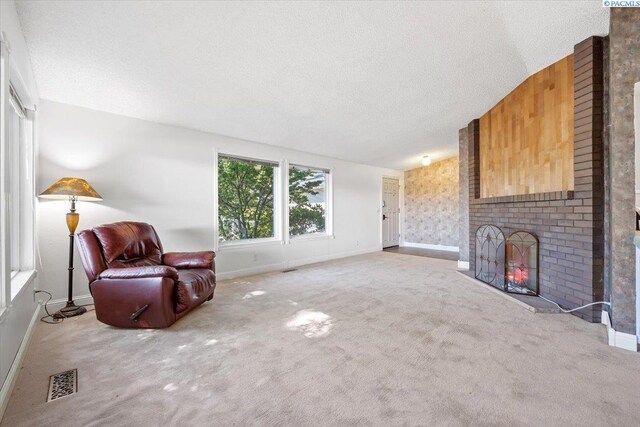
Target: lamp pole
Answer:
pixel 71 309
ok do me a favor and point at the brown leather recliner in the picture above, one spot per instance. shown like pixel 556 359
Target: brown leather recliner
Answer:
pixel 134 284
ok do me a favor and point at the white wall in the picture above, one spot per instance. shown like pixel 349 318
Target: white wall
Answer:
pixel 21 313
pixel 164 175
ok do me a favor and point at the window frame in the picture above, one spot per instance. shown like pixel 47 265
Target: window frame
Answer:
pixel 328 217
pixel 12 94
pixel 277 208
pixel 25 209
pixel 16 191
pixel 280 203
pixel 5 280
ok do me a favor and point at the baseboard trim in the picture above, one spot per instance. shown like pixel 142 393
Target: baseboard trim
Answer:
pixel 250 271
pixel 346 254
pixel 463 265
pixel 12 376
pixel 619 339
pixel 430 246
pixel 57 304
pixel 270 268
pixel 307 261
pixel 325 258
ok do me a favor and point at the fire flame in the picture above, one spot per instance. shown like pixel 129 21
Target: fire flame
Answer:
pixel 518 276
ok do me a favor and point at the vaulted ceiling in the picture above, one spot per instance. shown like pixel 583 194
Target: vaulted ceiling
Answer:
pixel 378 83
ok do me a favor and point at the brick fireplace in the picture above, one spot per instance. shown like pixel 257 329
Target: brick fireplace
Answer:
pixel 569 225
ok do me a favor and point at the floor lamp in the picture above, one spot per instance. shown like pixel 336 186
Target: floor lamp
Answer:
pixel 73 189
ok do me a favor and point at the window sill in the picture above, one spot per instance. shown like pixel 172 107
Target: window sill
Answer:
pixel 20 281
pixel 238 244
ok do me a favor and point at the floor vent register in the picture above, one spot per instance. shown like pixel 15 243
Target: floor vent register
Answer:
pixel 62 384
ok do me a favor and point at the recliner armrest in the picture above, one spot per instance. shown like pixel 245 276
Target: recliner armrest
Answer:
pixel 203 259
pixel 140 272
pixel 117 299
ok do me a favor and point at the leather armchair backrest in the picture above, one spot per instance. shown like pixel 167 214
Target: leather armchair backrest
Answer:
pixel 91 254
pixel 129 244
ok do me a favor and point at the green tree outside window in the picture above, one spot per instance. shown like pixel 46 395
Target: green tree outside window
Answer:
pixel 246 200
pixel 307 201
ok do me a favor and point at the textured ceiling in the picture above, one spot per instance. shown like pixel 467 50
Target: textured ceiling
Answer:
pixel 376 83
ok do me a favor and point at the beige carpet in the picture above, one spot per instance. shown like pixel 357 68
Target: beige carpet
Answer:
pixel 381 339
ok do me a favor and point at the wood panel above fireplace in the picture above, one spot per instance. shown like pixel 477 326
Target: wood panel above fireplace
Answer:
pixel 526 140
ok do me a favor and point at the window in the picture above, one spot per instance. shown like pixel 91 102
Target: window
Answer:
pixel 263 201
pixel 307 200
pixel 18 208
pixel 16 130
pixel 17 204
pixel 246 199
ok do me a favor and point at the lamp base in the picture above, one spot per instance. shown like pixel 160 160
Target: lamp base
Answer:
pixel 69 310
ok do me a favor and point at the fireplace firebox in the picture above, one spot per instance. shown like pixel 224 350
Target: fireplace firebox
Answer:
pixel 522 263
pixel 511 264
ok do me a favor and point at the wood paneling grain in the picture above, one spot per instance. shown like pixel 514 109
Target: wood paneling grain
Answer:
pixel 526 140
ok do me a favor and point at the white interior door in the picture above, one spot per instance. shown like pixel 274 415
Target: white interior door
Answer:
pixel 390 212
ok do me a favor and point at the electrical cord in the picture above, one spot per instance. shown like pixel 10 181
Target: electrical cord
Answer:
pixel 46 318
pixel 577 308
pixel 49 318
